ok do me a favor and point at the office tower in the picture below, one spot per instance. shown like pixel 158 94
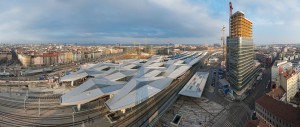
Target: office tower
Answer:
pixel 240 53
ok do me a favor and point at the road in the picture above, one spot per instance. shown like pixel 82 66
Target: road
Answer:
pixel 214 96
pixel 243 109
pixel 259 90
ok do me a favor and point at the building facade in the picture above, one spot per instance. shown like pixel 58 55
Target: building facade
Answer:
pixel 24 59
pixel 61 58
pixel 69 57
pixel 37 60
pixel 240 53
pixel 289 82
pixel 5 57
pixel 276 113
pixel 277 68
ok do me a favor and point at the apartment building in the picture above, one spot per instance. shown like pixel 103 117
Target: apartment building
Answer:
pixel 289 82
pixel 278 67
pixel 277 113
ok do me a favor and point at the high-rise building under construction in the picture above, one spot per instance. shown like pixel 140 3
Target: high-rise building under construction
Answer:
pixel 240 53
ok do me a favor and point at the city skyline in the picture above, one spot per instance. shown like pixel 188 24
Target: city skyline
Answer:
pixel 150 21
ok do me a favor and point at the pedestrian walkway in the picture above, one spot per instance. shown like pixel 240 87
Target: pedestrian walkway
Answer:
pixel 194 112
pixel 236 115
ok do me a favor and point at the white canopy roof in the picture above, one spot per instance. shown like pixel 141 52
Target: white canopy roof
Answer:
pixel 144 83
pixel 73 76
pixel 85 66
pixel 129 96
pixel 90 90
pixel 148 82
pixel 195 86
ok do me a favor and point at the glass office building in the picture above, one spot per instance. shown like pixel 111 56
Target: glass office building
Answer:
pixel 240 52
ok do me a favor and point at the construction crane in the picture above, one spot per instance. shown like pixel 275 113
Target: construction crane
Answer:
pixel 138 50
pixel 230 8
pixel 230 14
pixel 223 45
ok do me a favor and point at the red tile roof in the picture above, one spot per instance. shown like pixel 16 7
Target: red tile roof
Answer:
pixel 276 93
pixel 289 73
pixel 256 123
pixel 252 123
pixel 49 55
pixel 284 111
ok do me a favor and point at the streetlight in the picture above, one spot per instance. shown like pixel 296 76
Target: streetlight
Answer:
pixel 73 118
pixel 39 107
pixel 73 115
pixel 25 103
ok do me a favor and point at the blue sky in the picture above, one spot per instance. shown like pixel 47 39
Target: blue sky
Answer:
pixel 145 21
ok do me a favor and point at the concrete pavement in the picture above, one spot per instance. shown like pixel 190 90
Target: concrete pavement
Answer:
pixel 237 112
pixel 259 89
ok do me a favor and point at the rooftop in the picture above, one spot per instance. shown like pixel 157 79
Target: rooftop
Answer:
pixel 195 86
pixel 276 93
pixel 128 84
pixel 256 123
pixel 280 109
pixel 289 73
pixel 279 62
pixel 238 12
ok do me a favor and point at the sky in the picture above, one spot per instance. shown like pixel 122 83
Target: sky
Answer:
pixel 144 21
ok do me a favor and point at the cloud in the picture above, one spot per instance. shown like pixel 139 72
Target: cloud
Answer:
pixel 96 20
pixel 178 21
pixel 273 21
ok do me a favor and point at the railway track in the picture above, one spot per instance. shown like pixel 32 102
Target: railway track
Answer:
pixel 16 120
pixel 31 106
pixel 65 116
pixel 141 115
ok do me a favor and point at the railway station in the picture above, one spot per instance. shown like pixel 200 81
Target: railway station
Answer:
pixel 127 83
pixel 111 92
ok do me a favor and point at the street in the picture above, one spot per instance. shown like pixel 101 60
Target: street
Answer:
pixel 259 90
pixel 237 112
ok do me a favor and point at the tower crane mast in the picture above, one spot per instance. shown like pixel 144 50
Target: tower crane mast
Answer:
pixel 223 44
pixel 230 8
